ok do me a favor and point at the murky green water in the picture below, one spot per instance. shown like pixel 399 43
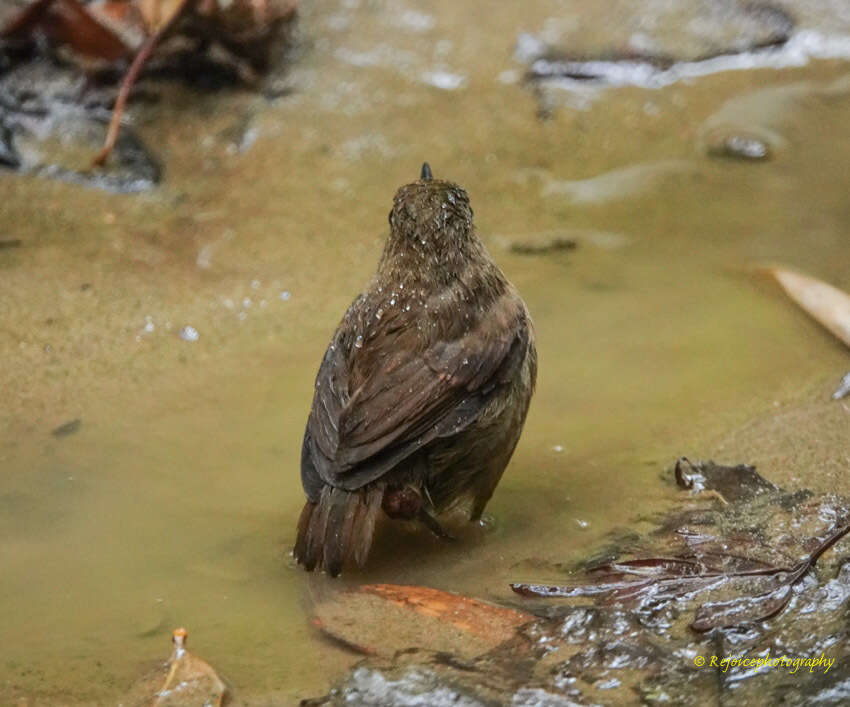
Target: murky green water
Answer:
pixel 175 502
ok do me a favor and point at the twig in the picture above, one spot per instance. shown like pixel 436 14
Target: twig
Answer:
pixel 127 84
pixel 708 616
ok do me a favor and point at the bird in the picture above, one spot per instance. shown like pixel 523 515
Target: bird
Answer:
pixel 424 389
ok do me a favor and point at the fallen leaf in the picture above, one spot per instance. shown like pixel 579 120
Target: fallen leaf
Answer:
pixel 244 28
pixel 380 619
pixel 184 681
pixel 190 680
pixel 67 22
pixel 158 13
pixel 826 304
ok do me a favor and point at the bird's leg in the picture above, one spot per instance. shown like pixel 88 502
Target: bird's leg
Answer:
pixel 431 523
pixel 407 504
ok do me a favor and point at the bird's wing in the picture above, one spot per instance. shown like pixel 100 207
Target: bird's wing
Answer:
pixel 377 404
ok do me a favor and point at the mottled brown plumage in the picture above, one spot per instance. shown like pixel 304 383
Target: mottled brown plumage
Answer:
pixel 424 389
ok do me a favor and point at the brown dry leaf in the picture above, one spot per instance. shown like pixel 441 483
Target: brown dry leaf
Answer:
pixel 69 23
pixel 470 615
pixel 189 681
pixel 380 619
pixel 158 13
pixel 825 303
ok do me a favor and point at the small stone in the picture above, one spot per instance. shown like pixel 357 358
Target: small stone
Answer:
pixel 740 146
pixel 189 333
pixel 843 388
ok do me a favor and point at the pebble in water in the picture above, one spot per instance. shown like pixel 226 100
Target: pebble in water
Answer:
pixel 488 522
pixel 444 80
pixel 189 333
pixel 843 388
pixel 739 146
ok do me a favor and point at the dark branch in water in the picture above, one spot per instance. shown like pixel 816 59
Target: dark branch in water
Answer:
pixel 658 577
pixel 555 64
pixel 68 428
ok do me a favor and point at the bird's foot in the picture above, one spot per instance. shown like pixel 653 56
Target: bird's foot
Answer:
pixel 407 504
pixel 431 523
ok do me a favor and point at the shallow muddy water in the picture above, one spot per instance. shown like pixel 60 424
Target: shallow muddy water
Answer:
pixel 175 501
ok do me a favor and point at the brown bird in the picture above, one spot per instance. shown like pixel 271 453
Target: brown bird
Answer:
pixel 423 391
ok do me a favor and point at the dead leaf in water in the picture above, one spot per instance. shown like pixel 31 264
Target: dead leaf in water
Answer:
pixel 379 619
pixel 67 22
pixel 188 682
pixel 244 28
pixel 157 13
pixel 826 304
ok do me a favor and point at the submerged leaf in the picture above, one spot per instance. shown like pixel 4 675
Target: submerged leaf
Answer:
pixel 158 13
pixel 67 22
pixel 383 618
pixel 184 681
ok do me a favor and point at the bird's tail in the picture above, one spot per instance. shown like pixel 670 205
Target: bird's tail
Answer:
pixel 338 529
